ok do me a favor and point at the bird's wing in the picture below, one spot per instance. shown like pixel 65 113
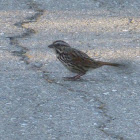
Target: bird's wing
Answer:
pixel 80 58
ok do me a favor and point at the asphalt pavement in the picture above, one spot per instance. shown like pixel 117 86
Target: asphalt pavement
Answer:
pixel 36 103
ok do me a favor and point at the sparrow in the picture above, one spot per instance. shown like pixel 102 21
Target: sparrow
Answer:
pixel 75 60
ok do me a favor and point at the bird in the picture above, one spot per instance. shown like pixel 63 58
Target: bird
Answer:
pixel 75 60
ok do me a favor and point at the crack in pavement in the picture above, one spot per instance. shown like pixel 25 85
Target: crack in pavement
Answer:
pixel 102 127
pixel 22 50
pixel 102 109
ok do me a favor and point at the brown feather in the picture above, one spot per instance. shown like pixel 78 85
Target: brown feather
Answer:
pixel 108 63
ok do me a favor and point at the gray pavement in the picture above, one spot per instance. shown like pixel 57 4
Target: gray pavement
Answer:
pixel 36 103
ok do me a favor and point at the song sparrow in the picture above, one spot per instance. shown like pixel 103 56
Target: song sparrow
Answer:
pixel 75 60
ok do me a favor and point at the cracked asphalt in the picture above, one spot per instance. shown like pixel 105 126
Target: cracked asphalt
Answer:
pixel 36 103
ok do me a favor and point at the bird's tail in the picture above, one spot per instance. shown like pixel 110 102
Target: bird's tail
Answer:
pixel 108 63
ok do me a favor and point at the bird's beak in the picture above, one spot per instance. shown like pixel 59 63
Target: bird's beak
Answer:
pixel 51 46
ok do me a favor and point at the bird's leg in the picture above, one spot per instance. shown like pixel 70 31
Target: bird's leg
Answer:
pixel 74 77
pixel 77 76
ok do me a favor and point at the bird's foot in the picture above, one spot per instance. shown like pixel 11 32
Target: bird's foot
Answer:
pixel 77 77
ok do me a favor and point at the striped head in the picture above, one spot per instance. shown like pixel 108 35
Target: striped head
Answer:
pixel 59 45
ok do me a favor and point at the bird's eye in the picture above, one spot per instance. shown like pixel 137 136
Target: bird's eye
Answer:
pixel 57 45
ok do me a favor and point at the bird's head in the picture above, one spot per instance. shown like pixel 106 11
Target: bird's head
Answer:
pixel 59 45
